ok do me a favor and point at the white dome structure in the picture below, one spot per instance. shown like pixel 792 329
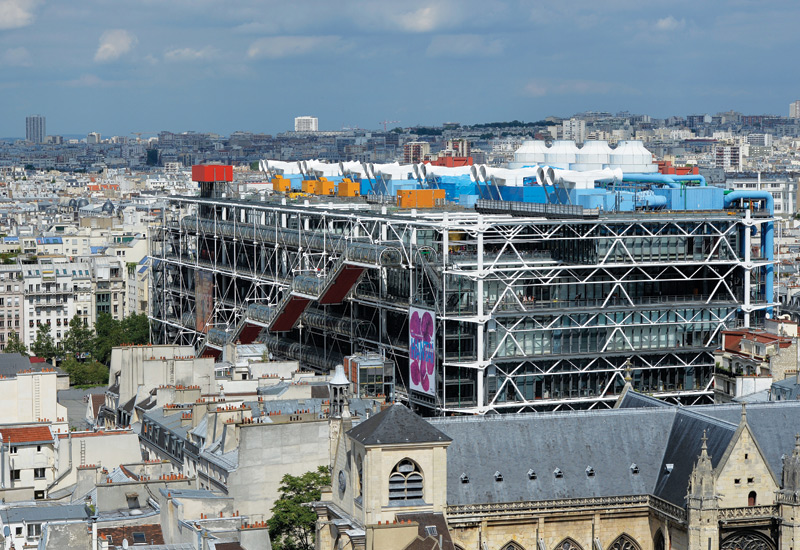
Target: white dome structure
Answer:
pixel 562 154
pixel 631 156
pixel 530 153
pixel 594 155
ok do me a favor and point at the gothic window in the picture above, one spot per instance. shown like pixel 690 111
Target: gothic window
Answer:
pixel 751 498
pixel 512 546
pixel 405 481
pixel 747 540
pixel 624 542
pixel 658 541
pixel 568 544
pixel 360 468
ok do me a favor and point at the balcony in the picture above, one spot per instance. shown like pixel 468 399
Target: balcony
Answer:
pixel 510 304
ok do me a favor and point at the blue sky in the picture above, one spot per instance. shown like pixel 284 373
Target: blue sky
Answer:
pixel 120 66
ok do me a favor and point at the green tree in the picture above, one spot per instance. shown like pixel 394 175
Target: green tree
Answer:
pixel 15 345
pixel 44 346
pixel 79 339
pixel 85 373
pixel 109 334
pixel 136 329
pixel 291 526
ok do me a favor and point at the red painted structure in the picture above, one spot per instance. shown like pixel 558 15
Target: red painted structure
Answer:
pixel 210 173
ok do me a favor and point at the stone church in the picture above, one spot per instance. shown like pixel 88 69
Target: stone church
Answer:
pixel 644 476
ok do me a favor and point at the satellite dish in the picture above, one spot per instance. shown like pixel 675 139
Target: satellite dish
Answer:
pixel 6 531
pixel 125 544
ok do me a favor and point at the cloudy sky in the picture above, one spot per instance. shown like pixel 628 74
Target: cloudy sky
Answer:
pixel 120 66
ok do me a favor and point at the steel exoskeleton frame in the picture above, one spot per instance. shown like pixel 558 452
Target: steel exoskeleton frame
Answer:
pixel 531 313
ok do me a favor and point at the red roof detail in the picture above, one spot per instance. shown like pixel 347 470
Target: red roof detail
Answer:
pixel 26 435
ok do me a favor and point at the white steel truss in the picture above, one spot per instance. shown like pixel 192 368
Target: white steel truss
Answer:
pixel 532 313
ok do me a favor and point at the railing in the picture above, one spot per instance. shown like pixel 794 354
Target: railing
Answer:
pixel 489 258
pixel 529 208
pixel 788 498
pixel 749 512
pixel 469 512
pixel 524 304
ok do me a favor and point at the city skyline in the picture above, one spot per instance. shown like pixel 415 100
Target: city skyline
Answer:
pixel 254 66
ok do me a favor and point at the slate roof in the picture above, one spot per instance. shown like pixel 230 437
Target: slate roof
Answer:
pixel 97 401
pixel 12 363
pixel 634 400
pixel 683 448
pixel 429 540
pixel 608 442
pixel 37 514
pixel 396 425
pixel 663 442
pixel 773 424
pixel 29 434
pixel 152 534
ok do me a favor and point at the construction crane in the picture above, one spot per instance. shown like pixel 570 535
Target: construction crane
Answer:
pixel 385 122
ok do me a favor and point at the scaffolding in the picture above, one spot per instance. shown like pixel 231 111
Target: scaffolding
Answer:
pixel 533 310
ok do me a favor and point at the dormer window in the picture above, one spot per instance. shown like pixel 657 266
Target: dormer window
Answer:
pixel 464 478
pixel 558 473
pixel 634 469
pixel 498 476
pixel 589 471
pixel 531 474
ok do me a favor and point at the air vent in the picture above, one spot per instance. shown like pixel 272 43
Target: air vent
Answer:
pixel 558 473
pixel 464 478
pixel 634 469
pixel 498 476
pixel 589 471
pixel 531 474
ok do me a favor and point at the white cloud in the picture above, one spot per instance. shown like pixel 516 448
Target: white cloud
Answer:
pixel 114 44
pixel 86 80
pixel 16 57
pixel 541 88
pixel 189 54
pixel 16 13
pixel 275 47
pixel 411 16
pixel 464 45
pixel 535 89
pixel 425 19
pixel 669 23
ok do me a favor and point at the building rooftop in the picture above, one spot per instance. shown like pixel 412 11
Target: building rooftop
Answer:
pixel 34 514
pixel 28 434
pixel 396 425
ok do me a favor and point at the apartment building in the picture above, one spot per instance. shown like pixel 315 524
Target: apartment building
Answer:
pixel 783 191
pixel 49 298
pixel 11 302
pixel 108 285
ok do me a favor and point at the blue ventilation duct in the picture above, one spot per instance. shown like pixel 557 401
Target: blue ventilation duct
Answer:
pixel 767 237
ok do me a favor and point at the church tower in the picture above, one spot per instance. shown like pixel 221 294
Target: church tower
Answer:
pixel 789 499
pixel 702 504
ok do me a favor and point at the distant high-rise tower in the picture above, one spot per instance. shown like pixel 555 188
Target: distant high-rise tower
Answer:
pixel 794 109
pixel 306 124
pixel 416 151
pixel 93 138
pixel 35 128
pixel 575 129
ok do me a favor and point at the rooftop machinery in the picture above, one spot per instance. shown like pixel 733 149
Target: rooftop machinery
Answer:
pixel 502 306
